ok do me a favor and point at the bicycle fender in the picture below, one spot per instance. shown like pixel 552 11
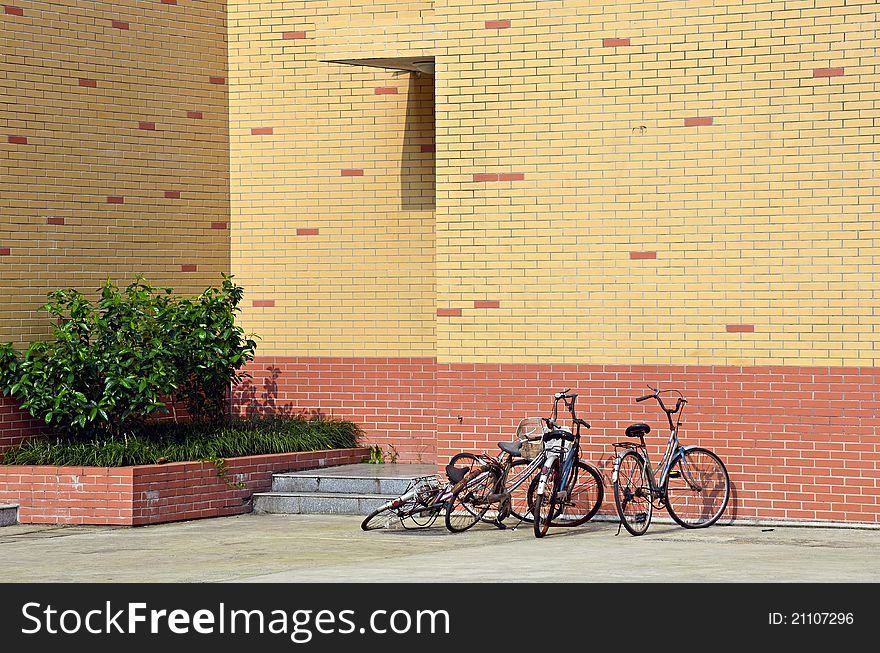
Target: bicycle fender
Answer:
pixel 617 460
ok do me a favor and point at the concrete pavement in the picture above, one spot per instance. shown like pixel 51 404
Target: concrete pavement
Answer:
pixel 332 548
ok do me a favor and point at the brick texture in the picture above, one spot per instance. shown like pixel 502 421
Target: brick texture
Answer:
pixel 391 398
pixel 97 89
pixel 151 494
pixel 799 442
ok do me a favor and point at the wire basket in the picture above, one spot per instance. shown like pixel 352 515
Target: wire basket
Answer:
pixel 529 433
pixel 426 487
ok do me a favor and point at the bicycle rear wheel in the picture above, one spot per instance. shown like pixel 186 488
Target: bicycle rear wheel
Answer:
pixel 697 488
pixel 632 493
pixel 582 500
pixel 544 507
pixel 467 505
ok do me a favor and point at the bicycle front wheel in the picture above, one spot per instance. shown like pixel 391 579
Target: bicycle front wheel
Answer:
pixel 382 517
pixel 632 493
pixel 582 500
pixel 697 488
pixel 544 508
pixel 468 505
pixel 520 497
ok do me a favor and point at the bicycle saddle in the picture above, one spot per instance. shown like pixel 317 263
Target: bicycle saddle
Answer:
pixel 513 448
pixel 635 430
pixel 455 474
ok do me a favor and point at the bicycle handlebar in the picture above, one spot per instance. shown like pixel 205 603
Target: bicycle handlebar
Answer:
pixel 644 397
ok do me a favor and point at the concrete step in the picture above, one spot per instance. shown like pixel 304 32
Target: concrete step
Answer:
pixel 318 482
pixel 318 503
pixel 8 514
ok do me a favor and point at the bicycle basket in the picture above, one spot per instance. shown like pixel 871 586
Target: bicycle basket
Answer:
pixel 426 487
pixel 529 433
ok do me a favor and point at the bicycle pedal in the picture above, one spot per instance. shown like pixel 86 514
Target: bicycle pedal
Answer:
pixel 675 474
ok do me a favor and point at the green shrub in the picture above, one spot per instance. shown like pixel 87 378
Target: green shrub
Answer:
pixel 114 363
pixel 169 442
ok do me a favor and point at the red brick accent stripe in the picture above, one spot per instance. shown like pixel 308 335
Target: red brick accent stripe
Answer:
pixel 4 251
pixel 503 176
pixel 120 24
pixel 195 114
pixel 115 199
pixel 219 225
pixel 637 256
pixel 429 147
pixel 287 36
pixel 217 80
pixel 189 267
pixel 17 140
pixel 448 312
pixel 615 43
pixel 261 131
pixel 89 83
pixel 13 11
pixel 307 231
pixel 54 220
pixel 740 328
pixel 487 303
pixel 697 122
pixel 827 72
pixel 352 172
pixel 149 126
pixel 497 24
pixel 172 194
pixel 169 2
pixel 385 90
pixel 264 303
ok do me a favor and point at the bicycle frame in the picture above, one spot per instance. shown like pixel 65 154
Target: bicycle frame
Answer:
pixel 673 451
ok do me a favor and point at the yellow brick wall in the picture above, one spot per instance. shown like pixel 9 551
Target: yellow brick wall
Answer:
pixel 114 155
pixel 332 177
pixel 643 182
pixel 736 140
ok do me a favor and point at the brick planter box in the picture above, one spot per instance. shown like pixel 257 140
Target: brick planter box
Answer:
pixel 151 494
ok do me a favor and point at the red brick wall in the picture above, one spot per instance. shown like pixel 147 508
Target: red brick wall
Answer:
pixel 16 425
pixel 150 494
pixel 392 399
pixel 799 443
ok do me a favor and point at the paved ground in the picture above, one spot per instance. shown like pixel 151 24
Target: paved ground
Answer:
pixel 300 548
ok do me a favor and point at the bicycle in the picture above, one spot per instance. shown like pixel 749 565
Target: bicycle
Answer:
pixel 568 491
pixel 693 483
pixel 579 500
pixel 502 476
pixel 424 499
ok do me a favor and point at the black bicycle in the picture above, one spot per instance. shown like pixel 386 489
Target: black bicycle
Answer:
pixel 693 483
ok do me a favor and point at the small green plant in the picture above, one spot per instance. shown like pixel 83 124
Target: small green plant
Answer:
pixel 116 361
pixel 376 457
pixel 393 454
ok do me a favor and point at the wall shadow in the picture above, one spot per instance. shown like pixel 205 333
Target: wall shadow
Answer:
pixel 418 164
pixel 260 399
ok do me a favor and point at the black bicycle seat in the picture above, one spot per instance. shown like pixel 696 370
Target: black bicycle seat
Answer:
pixel 455 474
pixel 513 448
pixel 635 430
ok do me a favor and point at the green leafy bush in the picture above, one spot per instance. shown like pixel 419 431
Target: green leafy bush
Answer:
pixel 115 362
pixel 169 442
